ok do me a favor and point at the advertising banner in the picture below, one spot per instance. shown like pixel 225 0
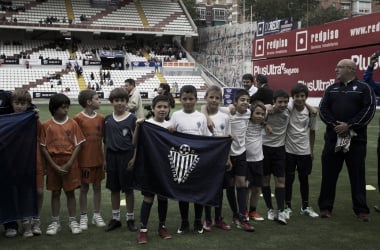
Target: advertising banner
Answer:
pixel 346 33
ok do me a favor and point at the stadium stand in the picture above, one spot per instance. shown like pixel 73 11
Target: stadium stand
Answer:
pixel 53 36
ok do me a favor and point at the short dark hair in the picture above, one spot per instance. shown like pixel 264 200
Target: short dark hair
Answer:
pixel 247 77
pixel 239 93
pixel 299 88
pixel 131 82
pixel 56 101
pixel 280 93
pixel 160 98
pixel 188 89
pixel 118 93
pixel 260 78
pixel 86 95
pixel 165 87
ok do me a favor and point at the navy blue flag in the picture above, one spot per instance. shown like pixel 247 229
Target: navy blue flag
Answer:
pixel 181 166
pixel 18 145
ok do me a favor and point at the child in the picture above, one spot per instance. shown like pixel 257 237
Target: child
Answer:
pixel 61 140
pixel 299 145
pixel 119 153
pixel 255 157
pixel 90 158
pixel 21 101
pixel 160 110
pixel 189 121
pixel 239 124
pixel 274 155
pixel 222 127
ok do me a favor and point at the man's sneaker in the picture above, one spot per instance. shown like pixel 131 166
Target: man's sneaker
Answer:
pixel 363 217
pixel 53 228
pixel 163 233
pixel 377 208
pixel 310 212
pixel 198 227
pixel 112 225
pixel 222 225
pixel 281 217
pixel 207 225
pixel 288 212
pixel 236 221
pixel 324 213
pixel 131 225
pixel 98 221
pixel 83 222
pixel 75 227
pixel 184 228
pixel 244 225
pixel 254 215
pixel 10 233
pixel 26 230
pixel 271 215
pixel 142 237
pixel 36 227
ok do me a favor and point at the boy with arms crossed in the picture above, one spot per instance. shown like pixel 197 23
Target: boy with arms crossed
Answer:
pixel 119 153
pixel 160 110
pixel 90 158
pixel 189 121
pixel 61 139
pixel 299 145
pixel 274 155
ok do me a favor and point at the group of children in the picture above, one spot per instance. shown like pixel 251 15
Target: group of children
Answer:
pixel 266 140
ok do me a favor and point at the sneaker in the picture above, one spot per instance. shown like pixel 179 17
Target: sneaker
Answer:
pixel 131 225
pixel 142 237
pixel 236 221
pixel 112 225
pixel 53 228
pixel 163 233
pixel 254 215
pixel 222 225
pixel 363 217
pixel 98 221
pixel 271 215
pixel 247 216
pixel 36 227
pixel 83 222
pixel 244 225
pixel 26 230
pixel 377 208
pixel 75 227
pixel 288 212
pixel 10 233
pixel 207 225
pixel 310 212
pixel 281 217
pixel 184 228
pixel 198 227
pixel 325 213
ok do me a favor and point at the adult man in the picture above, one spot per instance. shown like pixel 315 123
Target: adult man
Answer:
pixel 264 92
pixel 134 104
pixel 247 80
pixel 346 108
pixel 368 78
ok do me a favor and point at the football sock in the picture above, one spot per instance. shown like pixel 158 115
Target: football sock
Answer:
pixel 184 210
pixel 241 194
pixel 280 197
pixel 267 196
pixel 231 197
pixel 162 206
pixel 144 213
pixel 116 214
pixel 208 213
pixel 304 189
pixel 198 210
pixel 130 216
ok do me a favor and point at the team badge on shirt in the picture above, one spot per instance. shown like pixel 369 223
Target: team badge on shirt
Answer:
pixel 182 162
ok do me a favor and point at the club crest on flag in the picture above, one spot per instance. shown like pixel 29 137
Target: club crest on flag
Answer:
pixel 182 162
